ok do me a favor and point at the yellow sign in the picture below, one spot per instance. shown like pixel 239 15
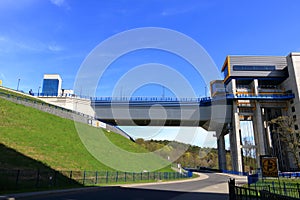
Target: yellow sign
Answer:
pixel 0 82
pixel 269 167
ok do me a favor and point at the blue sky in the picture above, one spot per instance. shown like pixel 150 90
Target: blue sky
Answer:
pixel 55 36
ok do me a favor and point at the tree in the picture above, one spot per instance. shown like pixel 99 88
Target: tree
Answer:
pixel 249 154
pixel 193 156
pixel 287 133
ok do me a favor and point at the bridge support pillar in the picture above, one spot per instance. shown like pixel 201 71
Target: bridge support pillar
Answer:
pixel 259 134
pixel 221 152
pixel 235 141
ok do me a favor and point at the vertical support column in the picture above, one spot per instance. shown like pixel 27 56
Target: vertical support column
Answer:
pixel 235 142
pixel 255 87
pixel 234 135
pixel 233 86
pixel 260 133
pixel 221 152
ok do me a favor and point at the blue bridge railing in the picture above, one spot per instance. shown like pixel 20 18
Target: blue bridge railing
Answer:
pixel 150 99
pixel 284 96
pixel 261 96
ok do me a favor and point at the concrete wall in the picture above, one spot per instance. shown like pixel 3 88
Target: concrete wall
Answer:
pixel 278 61
pixel 72 103
pixel 293 83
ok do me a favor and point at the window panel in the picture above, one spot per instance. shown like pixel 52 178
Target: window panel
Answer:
pixel 254 68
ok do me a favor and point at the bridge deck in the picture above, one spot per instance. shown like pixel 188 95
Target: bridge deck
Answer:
pixel 149 101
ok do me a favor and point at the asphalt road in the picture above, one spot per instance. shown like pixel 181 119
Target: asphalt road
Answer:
pixel 210 179
pixel 209 186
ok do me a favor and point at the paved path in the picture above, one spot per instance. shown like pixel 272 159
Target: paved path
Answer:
pixel 207 186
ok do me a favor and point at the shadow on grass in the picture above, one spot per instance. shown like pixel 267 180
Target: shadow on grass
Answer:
pixel 20 173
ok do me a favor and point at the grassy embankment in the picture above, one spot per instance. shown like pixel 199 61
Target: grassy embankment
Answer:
pixel 49 141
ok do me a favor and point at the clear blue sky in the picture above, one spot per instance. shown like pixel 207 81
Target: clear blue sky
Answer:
pixel 55 36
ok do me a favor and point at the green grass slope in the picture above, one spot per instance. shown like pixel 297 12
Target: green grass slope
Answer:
pixel 48 141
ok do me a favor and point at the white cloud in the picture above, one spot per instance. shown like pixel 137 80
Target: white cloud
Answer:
pixel 8 45
pixel 187 8
pixel 55 47
pixel 170 12
pixel 12 45
pixel 60 3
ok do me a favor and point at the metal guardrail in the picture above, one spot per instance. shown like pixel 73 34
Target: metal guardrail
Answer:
pixel 289 174
pixel 38 102
pixel 261 96
pixel 11 180
pixel 129 99
pixel 173 99
pixel 263 192
pixel 150 99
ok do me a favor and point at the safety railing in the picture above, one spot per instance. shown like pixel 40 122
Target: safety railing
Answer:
pixel 11 180
pixel 153 99
pixel 263 191
pixel 261 96
pixel 289 174
pixel 25 99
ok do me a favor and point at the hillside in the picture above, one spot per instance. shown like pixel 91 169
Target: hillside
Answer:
pixel 31 139
pixel 193 157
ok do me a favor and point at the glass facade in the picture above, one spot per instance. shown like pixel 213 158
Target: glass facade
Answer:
pixel 226 72
pixel 50 87
pixel 254 68
pixel 217 88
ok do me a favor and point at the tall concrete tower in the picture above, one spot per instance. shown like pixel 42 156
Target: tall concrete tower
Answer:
pixel 259 89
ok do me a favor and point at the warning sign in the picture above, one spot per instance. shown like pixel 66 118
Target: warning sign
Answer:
pixel 269 167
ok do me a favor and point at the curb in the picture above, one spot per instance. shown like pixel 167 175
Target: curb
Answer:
pixel 201 177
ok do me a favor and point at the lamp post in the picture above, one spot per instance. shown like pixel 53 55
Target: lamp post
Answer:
pixel 18 84
pixel 39 91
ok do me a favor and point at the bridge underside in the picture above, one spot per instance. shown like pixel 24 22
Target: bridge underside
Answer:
pixel 190 114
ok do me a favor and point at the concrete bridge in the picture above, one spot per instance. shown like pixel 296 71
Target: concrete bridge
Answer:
pixel 212 114
pixel 255 89
pixel 158 111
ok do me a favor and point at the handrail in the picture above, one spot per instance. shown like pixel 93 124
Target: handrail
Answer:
pixel 150 99
pixel 261 96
